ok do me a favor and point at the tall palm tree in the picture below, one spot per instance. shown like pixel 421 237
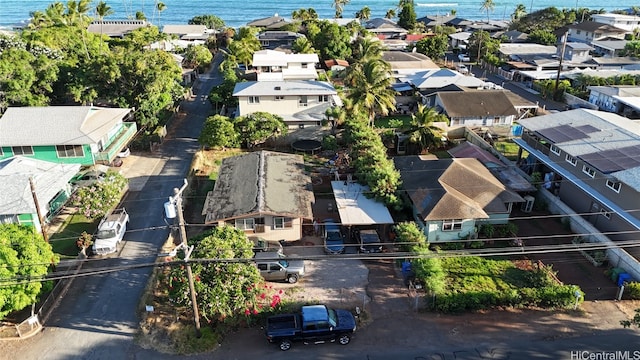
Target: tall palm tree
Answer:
pixel 368 48
pixel 363 14
pixel 488 6
pixel 339 6
pixel 160 7
pixel 103 10
pixel 423 133
pixel 391 13
pixel 370 88
pixel 519 12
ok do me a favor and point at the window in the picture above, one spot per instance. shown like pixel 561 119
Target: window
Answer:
pixel 8 219
pixel 305 65
pixel 254 99
pixel 578 32
pixel 22 150
pixel 245 224
pixel 279 97
pixel 68 151
pixel 323 98
pixel 303 100
pixel 571 160
pixel 614 185
pixel 278 223
pixel 589 171
pixel 262 267
pixel 605 213
pixel 451 225
pixel 554 149
pixel 300 126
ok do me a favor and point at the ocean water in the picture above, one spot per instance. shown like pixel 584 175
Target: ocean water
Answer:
pixel 237 13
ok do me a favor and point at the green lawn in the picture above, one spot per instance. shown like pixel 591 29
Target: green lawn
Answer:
pixel 479 274
pixel 64 241
pixel 383 123
pixel 507 148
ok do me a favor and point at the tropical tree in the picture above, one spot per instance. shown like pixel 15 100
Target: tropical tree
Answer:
pixel 363 14
pixel 219 131
pixel 96 200
pixel 302 45
pixel 409 235
pixel 390 14
pixel 339 6
pixel 370 88
pixel 210 21
pixel 407 15
pixel 367 48
pixel 488 6
pixel 198 56
pixel 332 40
pixel 225 289
pixel 433 46
pixel 103 10
pixel 632 48
pixel 542 37
pixel 244 44
pixel 304 14
pixel 423 133
pixel 519 12
pixel 25 259
pixel 258 127
pixel 160 7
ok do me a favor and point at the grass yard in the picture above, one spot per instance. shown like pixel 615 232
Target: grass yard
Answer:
pixel 383 123
pixel 64 241
pixel 508 149
pixel 207 162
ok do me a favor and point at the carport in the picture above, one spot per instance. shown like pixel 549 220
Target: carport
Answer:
pixel 356 209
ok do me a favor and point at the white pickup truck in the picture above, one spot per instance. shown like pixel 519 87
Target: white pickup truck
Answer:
pixel 110 232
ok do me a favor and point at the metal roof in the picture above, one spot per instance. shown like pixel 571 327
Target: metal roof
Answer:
pixel 355 208
pixel 289 87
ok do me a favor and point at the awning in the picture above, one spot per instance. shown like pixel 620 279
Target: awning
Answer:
pixel 357 209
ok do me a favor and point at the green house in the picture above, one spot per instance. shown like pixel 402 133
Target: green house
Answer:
pixel 451 197
pixel 84 135
pixel 50 182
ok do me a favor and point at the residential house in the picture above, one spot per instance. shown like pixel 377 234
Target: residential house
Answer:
pixel 588 31
pixel 616 63
pixel 451 198
pixel 432 80
pixel 84 135
pixel 385 28
pixel 274 22
pixel 336 64
pixel 50 187
pixel 299 102
pixel 278 39
pixel 628 23
pixel 525 51
pixel 116 28
pixel 476 107
pixel 595 159
pixel 575 52
pixel 272 65
pixel 619 99
pixel 405 63
pixel 511 36
pixel 188 32
pixel 491 27
pixel 264 193
pixel 609 48
pixel 460 40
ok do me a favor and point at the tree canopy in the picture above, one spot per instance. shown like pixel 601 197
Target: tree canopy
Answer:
pixel 433 46
pixel 219 131
pixel 542 37
pixel 407 16
pixel 24 256
pixel 256 128
pixel 210 21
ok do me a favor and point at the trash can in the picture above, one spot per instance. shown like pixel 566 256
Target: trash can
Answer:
pixel 623 278
pixel 615 272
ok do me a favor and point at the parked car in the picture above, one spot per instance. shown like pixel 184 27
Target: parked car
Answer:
pixel 276 267
pixel 124 153
pixel 461 68
pixel 88 178
pixel 369 241
pixel 263 245
pixel 110 232
pixel 464 57
pixel 315 324
pixel 333 239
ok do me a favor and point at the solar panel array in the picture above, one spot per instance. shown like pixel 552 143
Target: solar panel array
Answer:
pixel 609 161
pixel 563 133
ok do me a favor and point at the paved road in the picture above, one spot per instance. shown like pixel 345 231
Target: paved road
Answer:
pixel 97 319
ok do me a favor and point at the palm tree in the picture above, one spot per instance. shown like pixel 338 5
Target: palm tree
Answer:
pixel 363 14
pixel 103 10
pixel 304 14
pixel 160 6
pixel 423 133
pixel 370 88
pixel 488 6
pixel 519 12
pixel 368 48
pixel 339 6
pixel 302 45
pixel 391 13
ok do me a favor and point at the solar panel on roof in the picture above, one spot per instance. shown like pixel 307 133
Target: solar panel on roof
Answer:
pixel 562 133
pixel 610 161
pixel 587 129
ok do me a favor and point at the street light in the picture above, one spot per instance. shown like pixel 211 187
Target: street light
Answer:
pixel 172 208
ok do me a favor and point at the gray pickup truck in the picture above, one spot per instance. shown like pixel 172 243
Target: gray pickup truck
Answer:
pixel 314 324
pixel 275 267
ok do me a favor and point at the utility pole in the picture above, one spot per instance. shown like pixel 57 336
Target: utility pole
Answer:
pixel 38 212
pixel 564 45
pixel 177 200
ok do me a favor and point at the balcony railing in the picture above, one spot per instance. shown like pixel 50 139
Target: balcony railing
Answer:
pixel 127 132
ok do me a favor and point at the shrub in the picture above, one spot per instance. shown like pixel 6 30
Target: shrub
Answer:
pixel 487 230
pixel 633 290
pixel 329 142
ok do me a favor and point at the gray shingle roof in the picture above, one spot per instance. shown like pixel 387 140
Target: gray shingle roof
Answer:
pixel 15 193
pixel 474 103
pixel 58 125
pixel 453 188
pixel 262 182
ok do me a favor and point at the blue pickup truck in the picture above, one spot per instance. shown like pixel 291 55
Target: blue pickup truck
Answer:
pixel 315 324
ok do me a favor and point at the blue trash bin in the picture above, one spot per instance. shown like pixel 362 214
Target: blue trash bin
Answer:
pixel 623 278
